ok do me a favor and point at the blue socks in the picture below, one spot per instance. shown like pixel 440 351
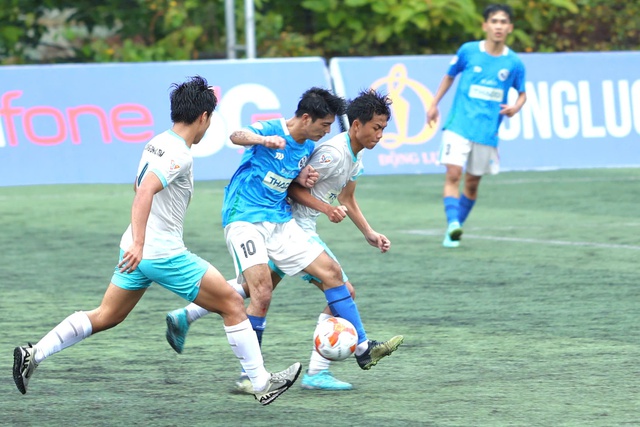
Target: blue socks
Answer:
pixel 258 324
pixel 451 207
pixel 342 305
pixel 464 208
pixel 457 209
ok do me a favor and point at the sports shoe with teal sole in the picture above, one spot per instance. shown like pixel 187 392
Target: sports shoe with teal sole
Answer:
pixel 448 243
pixel 377 350
pixel 177 328
pixel 324 380
pixel 454 231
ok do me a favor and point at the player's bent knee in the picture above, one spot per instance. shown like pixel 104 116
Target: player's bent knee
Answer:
pixel 235 300
pixel 232 310
pixel 332 277
pixel 261 290
pixel 352 290
pixel 101 320
pixel 232 313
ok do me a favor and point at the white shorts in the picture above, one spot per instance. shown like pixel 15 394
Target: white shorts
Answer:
pixel 289 247
pixel 479 159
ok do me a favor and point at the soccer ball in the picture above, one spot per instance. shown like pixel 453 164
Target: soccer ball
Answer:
pixel 335 338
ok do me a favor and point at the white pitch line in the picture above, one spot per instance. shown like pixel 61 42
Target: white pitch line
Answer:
pixel 524 240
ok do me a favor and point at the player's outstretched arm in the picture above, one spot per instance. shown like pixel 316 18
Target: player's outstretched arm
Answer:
pixel 246 138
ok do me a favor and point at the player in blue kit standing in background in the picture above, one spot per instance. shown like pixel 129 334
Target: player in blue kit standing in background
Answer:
pixel 488 69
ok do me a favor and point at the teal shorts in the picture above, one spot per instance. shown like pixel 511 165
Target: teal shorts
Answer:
pixel 309 277
pixel 181 274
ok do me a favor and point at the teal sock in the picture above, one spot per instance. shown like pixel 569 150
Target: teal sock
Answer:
pixel 342 305
pixel 465 208
pixel 451 207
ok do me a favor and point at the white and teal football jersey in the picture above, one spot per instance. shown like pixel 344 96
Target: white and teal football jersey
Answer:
pixel 337 165
pixel 169 158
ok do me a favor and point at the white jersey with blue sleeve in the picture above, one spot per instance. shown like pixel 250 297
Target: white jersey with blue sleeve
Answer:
pixel 336 165
pixel 484 84
pixel 169 158
pixel 257 191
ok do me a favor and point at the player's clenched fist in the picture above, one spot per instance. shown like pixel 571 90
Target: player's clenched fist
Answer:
pixel 336 213
pixel 308 176
pixel 274 141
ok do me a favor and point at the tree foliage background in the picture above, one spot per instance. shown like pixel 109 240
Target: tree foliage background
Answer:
pixel 48 31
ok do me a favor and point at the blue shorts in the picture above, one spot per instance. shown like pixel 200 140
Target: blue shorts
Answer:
pixel 309 277
pixel 181 274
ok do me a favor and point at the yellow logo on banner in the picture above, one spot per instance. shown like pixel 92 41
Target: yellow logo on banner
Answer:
pixel 396 82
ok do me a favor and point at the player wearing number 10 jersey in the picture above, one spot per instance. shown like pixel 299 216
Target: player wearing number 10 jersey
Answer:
pixel 337 163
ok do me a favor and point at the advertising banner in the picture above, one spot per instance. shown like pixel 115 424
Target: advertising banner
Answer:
pixel 88 123
pixel 583 110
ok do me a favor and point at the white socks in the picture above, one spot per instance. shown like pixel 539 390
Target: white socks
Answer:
pixel 70 331
pixel 241 337
pixel 318 363
pixel 238 287
pixel 362 347
pixel 194 312
pixel 244 343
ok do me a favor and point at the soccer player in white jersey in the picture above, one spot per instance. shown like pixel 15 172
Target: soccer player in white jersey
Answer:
pixel 488 69
pixel 338 163
pixel 152 250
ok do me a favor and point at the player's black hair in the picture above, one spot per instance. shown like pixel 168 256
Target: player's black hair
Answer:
pixel 190 99
pixel 367 104
pixel 493 8
pixel 319 103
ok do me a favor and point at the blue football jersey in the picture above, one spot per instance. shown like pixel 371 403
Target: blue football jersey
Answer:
pixel 484 84
pixel 258 189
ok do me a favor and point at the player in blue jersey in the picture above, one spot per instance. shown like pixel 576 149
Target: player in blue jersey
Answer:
pixel 338 163
pixel 259 226
pixel 488 69
pixel 152 250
